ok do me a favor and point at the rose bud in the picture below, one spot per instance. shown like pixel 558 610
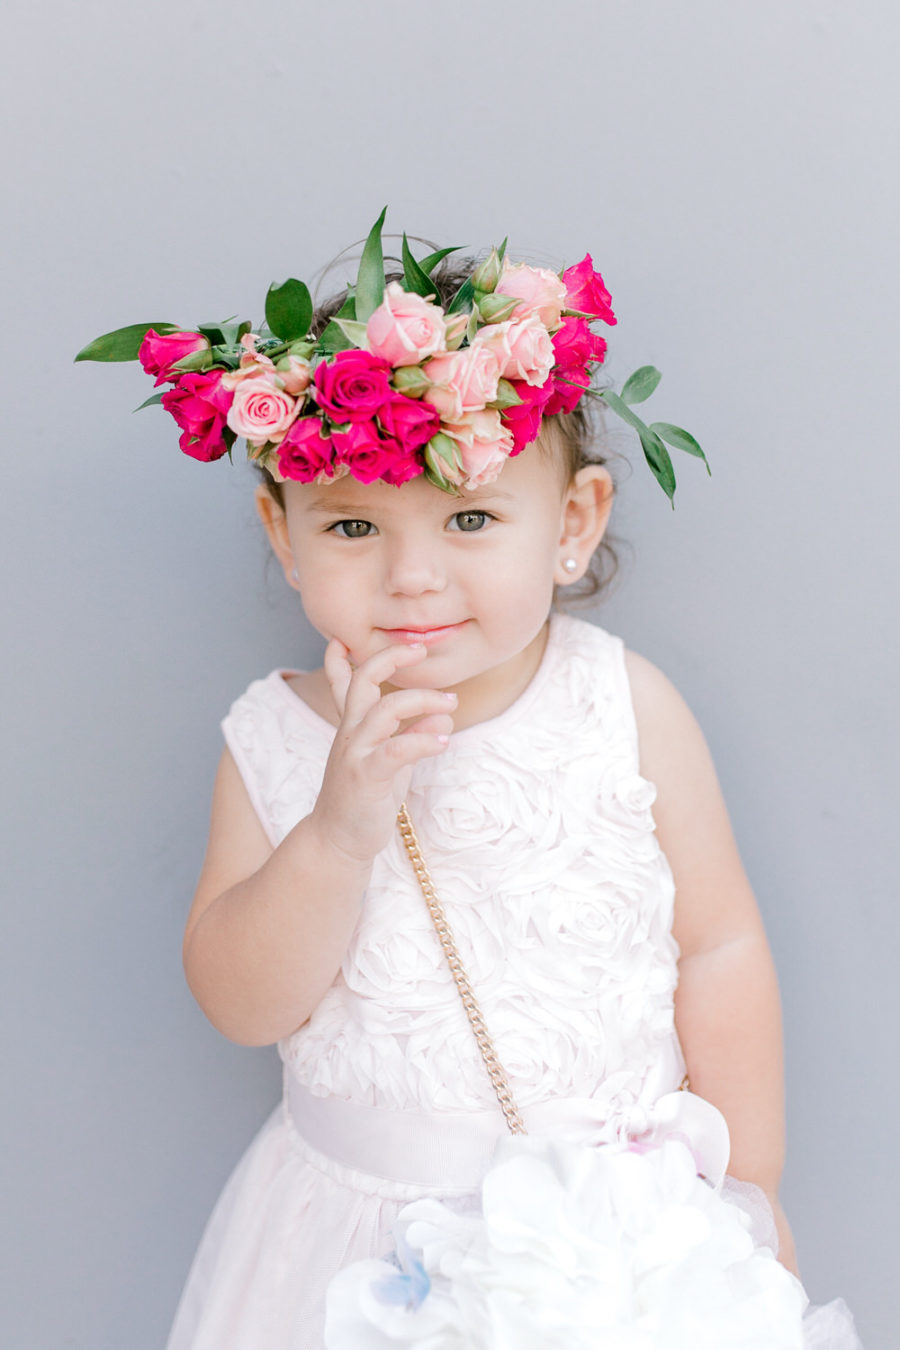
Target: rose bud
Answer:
pixel 455 330
pixel 497 308
pixel 410 380
pixel 487 274
pixel 506 396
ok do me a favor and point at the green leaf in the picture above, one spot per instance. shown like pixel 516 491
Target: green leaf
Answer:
pixel 463 298
pixel 641 384
pixel 123 344
pixel 201 360
pixel 229 437
pixel 416 280
pixel 428 264
pixel 680 439
pixel 289 309
pixel 657 456
pixel 333 340
pixel 148 402
pixel 370 278
pixel 501 251
pixel 353 330
pixel 622 410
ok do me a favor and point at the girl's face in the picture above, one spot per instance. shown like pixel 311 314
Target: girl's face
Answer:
pixel 472 577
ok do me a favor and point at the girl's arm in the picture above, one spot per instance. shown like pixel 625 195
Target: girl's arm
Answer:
pixel 268 929
pixel 727 1007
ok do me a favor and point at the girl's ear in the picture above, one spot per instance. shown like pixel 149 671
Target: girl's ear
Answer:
pixel 275 525
pixel 585 515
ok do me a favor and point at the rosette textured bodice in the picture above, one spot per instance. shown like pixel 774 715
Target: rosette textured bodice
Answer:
pixel 538 832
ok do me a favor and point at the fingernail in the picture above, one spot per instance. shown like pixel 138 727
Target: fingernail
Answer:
pixel 443 740
pixel 450 697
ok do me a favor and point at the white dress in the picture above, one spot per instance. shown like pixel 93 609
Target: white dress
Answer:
pixel 538 832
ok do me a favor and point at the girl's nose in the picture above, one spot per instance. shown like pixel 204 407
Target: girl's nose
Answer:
pixel 414 569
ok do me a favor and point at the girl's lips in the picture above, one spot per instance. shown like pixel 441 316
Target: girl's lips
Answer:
pixel 426 635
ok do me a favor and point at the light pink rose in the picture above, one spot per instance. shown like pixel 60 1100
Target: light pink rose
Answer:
pixel 462 382
pixel 405 328
pixel 523 347
pixel 540 291
pixel 261 411
pixel 484 443
pixel 293 374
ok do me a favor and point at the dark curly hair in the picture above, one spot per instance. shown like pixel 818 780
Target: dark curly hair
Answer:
pixel 574 435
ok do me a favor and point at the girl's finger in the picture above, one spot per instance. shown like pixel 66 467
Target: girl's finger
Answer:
pixel 400 752
pixel 401 705
pixel 364 689
pixel 338 672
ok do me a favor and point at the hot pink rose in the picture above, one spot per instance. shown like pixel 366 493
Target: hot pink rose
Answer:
pixel 159 352
pixel 523 348
pixel 540 291
pixel 484 443
pixel 524 420
pixel 568 386
pixel 200 406
pixel 576 345
pixel 405 328
pixel 462 381
pixel 352 386
pixel 305 454
pixel 586 292
pixel 367 455
pixel 261 411
pixel 410 421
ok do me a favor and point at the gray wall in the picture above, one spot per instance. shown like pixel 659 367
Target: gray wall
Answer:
pixel 732 168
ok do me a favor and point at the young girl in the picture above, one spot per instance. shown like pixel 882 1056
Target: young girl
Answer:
pixel 615 952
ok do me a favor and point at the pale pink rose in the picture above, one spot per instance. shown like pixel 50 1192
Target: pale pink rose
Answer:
pixel 484 443
pixel 523 348
pixel 462 382
pixel 540 291
pixel 405 328
pixel 293 374
pixel 261 411
pixel 253 365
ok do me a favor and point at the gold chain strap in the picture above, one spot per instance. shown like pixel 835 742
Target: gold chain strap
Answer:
pixel 470 1003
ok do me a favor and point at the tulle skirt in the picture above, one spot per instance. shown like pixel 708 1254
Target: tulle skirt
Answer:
pixel 300 1207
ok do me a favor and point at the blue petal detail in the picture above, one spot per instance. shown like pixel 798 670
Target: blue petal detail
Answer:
pixel 409 1287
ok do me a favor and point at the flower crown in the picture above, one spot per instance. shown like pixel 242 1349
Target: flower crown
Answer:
pixel 395 385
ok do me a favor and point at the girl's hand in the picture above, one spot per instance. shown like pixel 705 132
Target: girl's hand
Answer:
pixel 368 771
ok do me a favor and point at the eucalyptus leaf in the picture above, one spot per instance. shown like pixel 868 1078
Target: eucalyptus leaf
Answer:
pixel 149 402
pixel 463 299
pixel 370 278
pixel 622 410
pixel 289 309
pixel 429 263
pixel 680 439
pixel 123 344
pixel 657 456
pixel 641 384
pixel 353 330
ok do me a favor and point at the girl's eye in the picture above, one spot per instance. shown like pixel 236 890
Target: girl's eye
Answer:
pixel 470 521
pixel 353 529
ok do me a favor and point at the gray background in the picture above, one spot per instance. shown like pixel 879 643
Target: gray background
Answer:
pixel 732 168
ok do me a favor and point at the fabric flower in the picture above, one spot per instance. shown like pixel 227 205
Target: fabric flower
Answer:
pixel 352 386
pixel 586 291
pixel 200 406
pixel 159 351
pixel 405 328
pixel 261 411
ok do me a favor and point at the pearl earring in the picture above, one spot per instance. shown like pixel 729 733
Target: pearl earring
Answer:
pixel 570 564
pixel 294 576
